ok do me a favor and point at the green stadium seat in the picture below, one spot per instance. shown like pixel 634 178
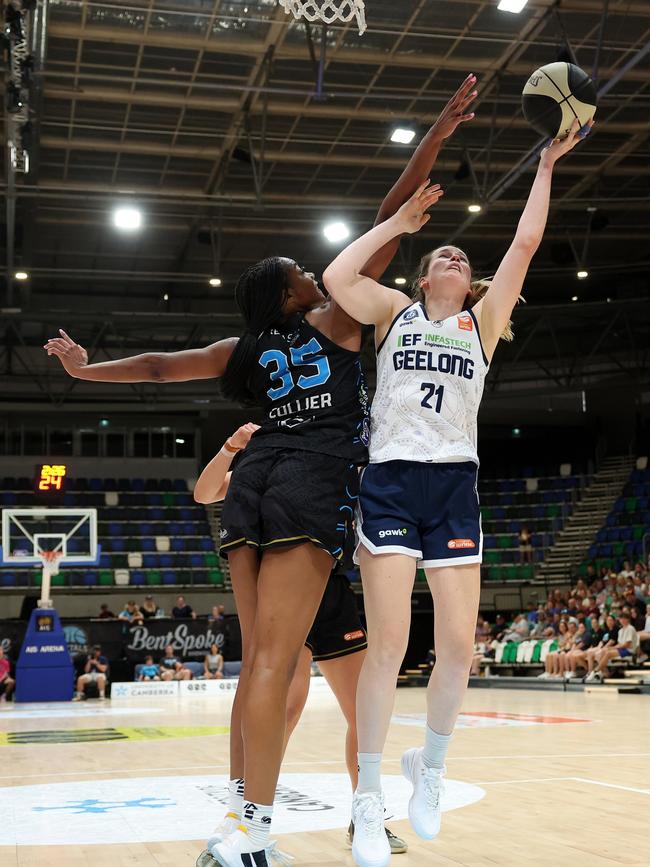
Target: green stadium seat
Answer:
pixel 630 504
pixel 216 577
pixel 169 500
pixel 492 558
pixel 639 533
pixel 153 577
pixel 486 513
pixel 106 578
pixel 510 573
pixel 211 560
pixel 504 541
pixel 553 511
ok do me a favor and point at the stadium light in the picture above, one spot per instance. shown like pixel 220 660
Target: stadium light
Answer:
pixel 166 297
pixel 215 281
pixel 574 297
pixel 180 441
pixel 402 135
pixel 127 219
pixel 336 232
pixel 474 208
pixel 512 5
pixel 21 275
pixel 400 281
pixel 582 274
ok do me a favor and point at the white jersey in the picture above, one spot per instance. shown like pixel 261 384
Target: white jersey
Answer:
pixel 430 377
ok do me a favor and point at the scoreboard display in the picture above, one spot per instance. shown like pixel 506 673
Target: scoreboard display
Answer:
pixel 50 477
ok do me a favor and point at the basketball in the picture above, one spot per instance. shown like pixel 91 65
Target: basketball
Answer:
pixel 555 95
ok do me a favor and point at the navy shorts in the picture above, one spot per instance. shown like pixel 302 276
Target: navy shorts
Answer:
pixel 427 511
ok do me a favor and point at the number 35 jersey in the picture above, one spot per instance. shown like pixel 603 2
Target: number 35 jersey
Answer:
pixel 313 393
pixel 430 377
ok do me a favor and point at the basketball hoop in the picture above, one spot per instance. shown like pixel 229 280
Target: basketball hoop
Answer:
pixel 327 11
pixel 51 561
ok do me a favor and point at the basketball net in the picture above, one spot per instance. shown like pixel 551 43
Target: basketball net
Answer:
pixel 51 565
pixel 327 11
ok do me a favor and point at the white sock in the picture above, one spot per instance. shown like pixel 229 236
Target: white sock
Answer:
pixel 235 797
pixel 256 818
pixel 369 772
pixel 435 749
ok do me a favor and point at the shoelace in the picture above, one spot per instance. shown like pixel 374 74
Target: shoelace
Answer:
pixel 433 787
pixel 275 855
pixel 370 811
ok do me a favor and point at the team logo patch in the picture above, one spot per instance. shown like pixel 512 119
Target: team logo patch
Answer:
pixel 461 543
pixel 410 314
pixel 465 322
pixel 351 636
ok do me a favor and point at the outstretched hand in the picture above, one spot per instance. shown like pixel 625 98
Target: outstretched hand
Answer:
pixel 412 215
pixel 454 113
pixel 558 147
pixel 71 355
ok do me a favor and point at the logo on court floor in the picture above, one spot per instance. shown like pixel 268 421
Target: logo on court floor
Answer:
pixel 97 735
pixel 489 719
pixel 129 811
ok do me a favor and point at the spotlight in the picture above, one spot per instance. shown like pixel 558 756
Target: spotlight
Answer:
pixel 400 281
pixel 104 422
pixel 127 219
pixel 21 275
pixel 582 274
pixel 165 297
pixel 474 209
pixel 511 5
pixel 516 432
pixel 402 135
pixel 336 232
pixel 214 281
pixel 180 441
pixel 574 297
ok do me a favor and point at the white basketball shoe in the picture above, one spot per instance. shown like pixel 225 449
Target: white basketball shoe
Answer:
pixel 428 789
pixel 370 846
pixel 238 851
pixel 225 828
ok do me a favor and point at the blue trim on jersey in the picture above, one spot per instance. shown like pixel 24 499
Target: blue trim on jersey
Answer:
pixel 390 327
pixel 424 310
pixel 478 334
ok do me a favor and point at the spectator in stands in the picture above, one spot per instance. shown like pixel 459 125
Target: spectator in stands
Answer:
pixel 627 644
pixel 150 608
pixel 644 636
pixel 499 627
pixel 105 612
pixel 7 683
pixel 131 614
pixel 525 545
pixel 627 573
pixel 183 611
pixel 149 671
pixel 217 615
pixel 95 671
pixel 637 607
pixel 213 664
pixel 552 661
pixel 607 637
pixel 575 651
pixel 519 629
pixel 171 667
pixel 542 629
pixel 591 638
pixel 482 632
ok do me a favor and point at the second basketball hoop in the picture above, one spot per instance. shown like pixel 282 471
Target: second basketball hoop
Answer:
pixel 327 11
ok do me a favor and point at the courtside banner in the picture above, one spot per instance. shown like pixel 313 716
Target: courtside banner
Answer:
pixel 191 639
pixel 211 688
pixel 145 689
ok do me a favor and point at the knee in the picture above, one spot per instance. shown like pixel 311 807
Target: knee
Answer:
pixel 387 652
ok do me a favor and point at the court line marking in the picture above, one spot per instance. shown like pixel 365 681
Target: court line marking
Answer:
pixel 225 767
pixel 563 779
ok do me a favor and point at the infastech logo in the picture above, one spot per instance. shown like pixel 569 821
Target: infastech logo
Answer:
pixel 402 531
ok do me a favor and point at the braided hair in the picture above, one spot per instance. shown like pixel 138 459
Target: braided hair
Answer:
pixel 261 293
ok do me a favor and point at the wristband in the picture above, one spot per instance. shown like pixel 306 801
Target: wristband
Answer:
pixel 228 449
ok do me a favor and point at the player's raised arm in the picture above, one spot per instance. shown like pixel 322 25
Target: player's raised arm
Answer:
pixel 494 310
pixel 376 304
pixel 212 484
pixel 419 169
pixel 181 366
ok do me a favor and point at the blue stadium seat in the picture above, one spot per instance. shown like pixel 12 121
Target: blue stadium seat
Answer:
pixel 184 499
pixel 154 499
pixel 118 546
pixel 169 576
pixel 150 561
pixel 137 577
pixel 145 530
pixel 177 543
pixel 115 529
pixel 91 579
pixel 70 500
pixel 174 528
pixel 95 485
pixel 8 498
pixel 104 560
pixel 156 514
pixel 148 544
pixel 197 561
pixel 137 484
pixel 8 579
pixel 186 514
pixel 166 561
pixel 499 513
pixel 488 542
pixel 206 544
pixel 180 485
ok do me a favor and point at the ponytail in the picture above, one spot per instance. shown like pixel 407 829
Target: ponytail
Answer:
pixel 260 294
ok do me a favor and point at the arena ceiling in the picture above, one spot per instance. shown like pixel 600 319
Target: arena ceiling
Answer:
pixel 207 115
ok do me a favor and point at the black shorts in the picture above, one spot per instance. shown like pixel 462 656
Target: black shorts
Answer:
pixel 282 497
pixel 337 629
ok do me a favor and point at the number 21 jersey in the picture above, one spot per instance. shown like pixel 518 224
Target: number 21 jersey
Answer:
pixel 430 377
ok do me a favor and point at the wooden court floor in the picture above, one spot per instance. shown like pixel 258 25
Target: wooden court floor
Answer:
pixel 535 778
